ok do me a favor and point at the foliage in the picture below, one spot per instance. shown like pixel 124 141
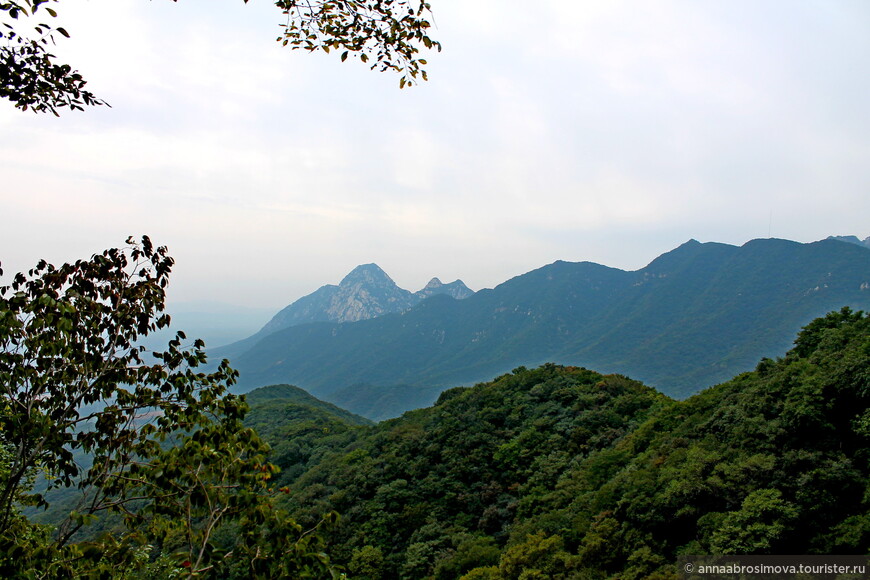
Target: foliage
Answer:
pixel 387 32
pixel 774 461
pixel 437 491
pixel 297 402
pixel 693 318
pixel 560 472
pixel 169 453
pixel 553 472
pixel 29 75
pixel 391 30
pixel 300 428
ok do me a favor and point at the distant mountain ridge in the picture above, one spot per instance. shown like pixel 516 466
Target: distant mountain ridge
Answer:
pixel 366 292
pixel 852 240
pixel 693 317
pixel 456 289
pixel 773 461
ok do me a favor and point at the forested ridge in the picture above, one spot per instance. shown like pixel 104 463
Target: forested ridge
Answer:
pixel 127 458
pixel 694 317
pixel 561 472
pixel 551 472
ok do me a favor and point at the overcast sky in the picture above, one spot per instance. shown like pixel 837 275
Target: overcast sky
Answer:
pixel 605 131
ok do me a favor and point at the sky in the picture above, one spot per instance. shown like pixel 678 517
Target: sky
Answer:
pixel 602 131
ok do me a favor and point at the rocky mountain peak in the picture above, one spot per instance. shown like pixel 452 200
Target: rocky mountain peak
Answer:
pixel 367 274
pixel 366 292
pixel 457 289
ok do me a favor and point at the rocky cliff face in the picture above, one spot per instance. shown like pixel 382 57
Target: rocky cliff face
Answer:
pixel 366 292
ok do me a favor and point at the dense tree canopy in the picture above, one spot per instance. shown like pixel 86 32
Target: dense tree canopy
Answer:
pixel 156 449
pixel 389 33
pixel 30 77
pixel 565 473
pixel 554 472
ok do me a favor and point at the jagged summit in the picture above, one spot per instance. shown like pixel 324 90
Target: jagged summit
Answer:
pixel 457 289
pixel 367 274
pixel 366 292
pixel 693 317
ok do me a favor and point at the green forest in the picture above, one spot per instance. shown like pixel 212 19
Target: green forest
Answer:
pixel 561 472
pixel 552 472
pixel 587 130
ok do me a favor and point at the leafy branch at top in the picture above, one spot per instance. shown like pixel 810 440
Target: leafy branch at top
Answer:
pixel 29 75
pixel 389 33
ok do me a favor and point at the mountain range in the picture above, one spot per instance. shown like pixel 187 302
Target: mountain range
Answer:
pixel 561 472
pixel 692 318
pixel 366 292
pixel 852 240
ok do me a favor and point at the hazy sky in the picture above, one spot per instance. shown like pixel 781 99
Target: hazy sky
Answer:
pixel 606 131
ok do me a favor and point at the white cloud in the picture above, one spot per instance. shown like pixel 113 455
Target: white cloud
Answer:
pixel 602 131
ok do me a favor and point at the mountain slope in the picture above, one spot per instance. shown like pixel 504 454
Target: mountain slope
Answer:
pixel 366 292
pixel 287 395
pixel 691 318
pixel 456 289
pixel 454 472
pixel 852 240
pixel 716 309
pixel 562 472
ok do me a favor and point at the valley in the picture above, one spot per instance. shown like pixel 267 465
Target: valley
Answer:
pixel 692 318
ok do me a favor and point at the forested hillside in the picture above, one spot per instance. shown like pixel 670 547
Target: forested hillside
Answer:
pixel 205 414
pixel 692 318
pixel 561 472
pixel 554 472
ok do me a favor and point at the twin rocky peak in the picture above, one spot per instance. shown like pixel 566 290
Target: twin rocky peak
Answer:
pixel 367 292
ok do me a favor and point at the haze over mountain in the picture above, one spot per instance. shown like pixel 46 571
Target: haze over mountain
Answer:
pixel 457 289
pixel 216 323
pixel 366 292
pixel 560 472
pixel 693 317
pixel 852 240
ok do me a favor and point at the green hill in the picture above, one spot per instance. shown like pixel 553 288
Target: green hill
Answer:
pixel 561 472
pixel 300 428
pixel 278 396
